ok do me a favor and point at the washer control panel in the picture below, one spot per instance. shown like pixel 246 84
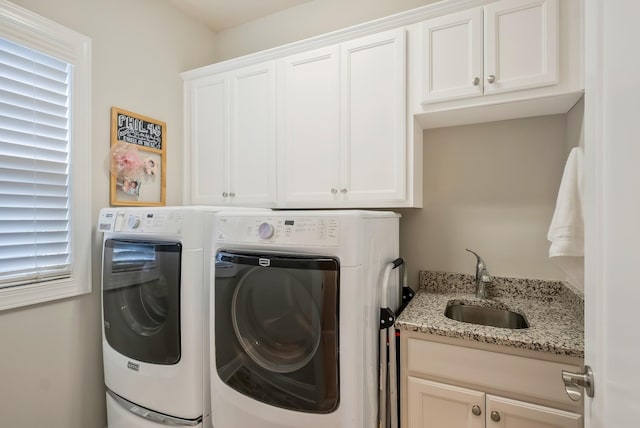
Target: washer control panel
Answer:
pixel 139 221
pixel 295 230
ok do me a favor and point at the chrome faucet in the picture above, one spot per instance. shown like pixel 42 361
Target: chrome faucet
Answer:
pixel 483 277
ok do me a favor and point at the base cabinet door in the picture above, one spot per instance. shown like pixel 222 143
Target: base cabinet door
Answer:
pixel 438 405
pixel 506 413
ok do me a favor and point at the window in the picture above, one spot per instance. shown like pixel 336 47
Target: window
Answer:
pixel 45 215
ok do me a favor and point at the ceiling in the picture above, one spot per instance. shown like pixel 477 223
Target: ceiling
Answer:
pixel 221 14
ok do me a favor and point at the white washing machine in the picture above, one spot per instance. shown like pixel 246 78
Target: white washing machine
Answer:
pixel 154 307
pixel 295 313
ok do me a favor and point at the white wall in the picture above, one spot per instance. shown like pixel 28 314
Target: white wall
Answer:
pixel 51 371
pixel 491 188
pixel 304 21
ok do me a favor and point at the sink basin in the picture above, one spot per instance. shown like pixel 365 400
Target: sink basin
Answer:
pixel 483 315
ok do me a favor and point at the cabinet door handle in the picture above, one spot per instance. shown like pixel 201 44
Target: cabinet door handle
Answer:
pixel 334 190
pixel 476 81
pixel 495 416
pixel 476 410
pixel 343 190
pixel 232 194
pixel 491 78
pixel 225 194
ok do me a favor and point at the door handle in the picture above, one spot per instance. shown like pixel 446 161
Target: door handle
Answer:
pixel 574 382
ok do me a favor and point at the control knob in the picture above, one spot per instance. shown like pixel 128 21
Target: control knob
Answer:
pixel 265 230
pixel 133 222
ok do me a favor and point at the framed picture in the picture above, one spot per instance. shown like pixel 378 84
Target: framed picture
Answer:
pixel 138 161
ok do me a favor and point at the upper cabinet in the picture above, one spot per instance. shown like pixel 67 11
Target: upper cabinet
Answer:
pixel 309 120
pixel 504 46
pixel 452 56
pixel 374 153
pixel 503 60
pixel 231 135
pixel 520 45
pixel 252 137
pixel 342 120
pixel 337 121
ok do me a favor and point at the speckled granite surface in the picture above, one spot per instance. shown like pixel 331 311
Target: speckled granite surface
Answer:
pixel 554 312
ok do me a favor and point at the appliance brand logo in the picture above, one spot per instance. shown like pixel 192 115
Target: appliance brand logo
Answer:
pixel 133 366
pixel 264 262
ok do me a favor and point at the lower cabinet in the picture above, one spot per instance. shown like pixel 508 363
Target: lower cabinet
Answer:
pixel 433 404
pixel 230 137
pixel 439 405
pixel 456 383
pixel 504 412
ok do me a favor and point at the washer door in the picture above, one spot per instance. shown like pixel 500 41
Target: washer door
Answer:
pixel 276 324
pixel 141 299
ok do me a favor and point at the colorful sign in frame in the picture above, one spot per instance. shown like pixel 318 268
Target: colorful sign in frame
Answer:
pixel 144 139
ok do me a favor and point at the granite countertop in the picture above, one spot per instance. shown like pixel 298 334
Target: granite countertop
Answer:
pixel 554 312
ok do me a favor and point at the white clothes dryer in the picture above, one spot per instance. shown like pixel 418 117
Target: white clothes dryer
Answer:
pixel 155 315
pixel 295 307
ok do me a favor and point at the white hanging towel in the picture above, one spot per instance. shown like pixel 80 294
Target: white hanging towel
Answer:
pixel 566 232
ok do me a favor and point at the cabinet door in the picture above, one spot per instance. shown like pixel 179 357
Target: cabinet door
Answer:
pixel 373 143
pixel 253 135
pixel 521 44
pixel 309 117
pixel 507 413
pixel 207 157
pixel 452 56
pixel 438 405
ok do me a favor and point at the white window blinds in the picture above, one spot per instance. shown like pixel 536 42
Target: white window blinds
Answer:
pixel 34 166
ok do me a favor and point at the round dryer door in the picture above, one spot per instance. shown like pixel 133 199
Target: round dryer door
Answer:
pixel 276 328
pixel 276 320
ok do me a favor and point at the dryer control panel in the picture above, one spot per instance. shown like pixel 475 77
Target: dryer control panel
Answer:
pixel 294 230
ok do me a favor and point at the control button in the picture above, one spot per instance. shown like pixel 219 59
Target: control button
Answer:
pixel 265 231
pixel 133 222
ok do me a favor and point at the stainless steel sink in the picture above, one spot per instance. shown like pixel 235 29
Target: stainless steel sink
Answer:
pixel 482 315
